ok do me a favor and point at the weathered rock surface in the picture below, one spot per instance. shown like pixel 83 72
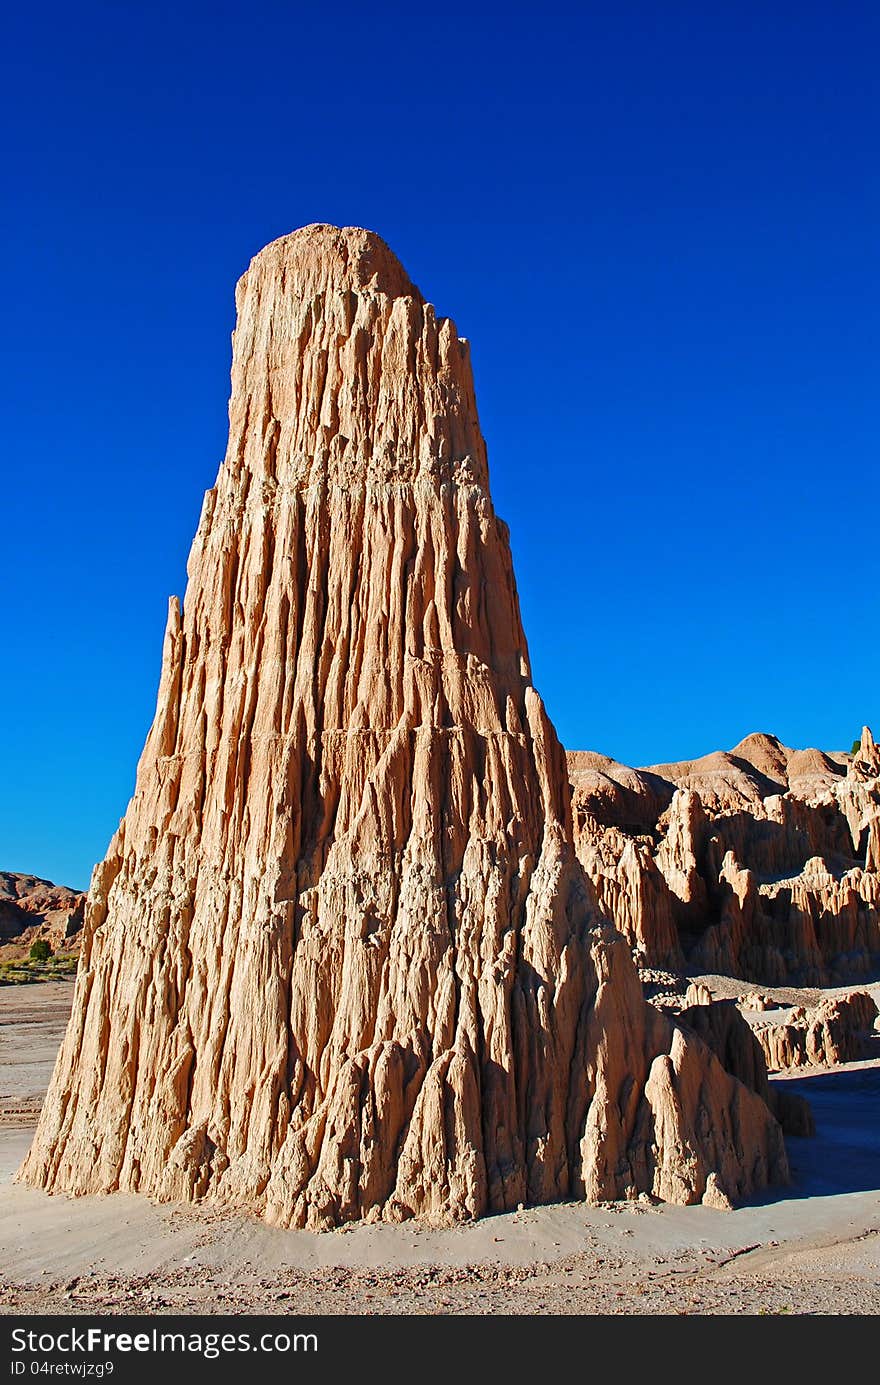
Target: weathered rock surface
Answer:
pixel 761 863
pixel 32 908
pixel 839 1029
pixel 741 1051
pixel 341 960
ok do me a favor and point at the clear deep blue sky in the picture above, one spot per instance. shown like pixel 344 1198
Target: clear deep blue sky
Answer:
pixel 657 224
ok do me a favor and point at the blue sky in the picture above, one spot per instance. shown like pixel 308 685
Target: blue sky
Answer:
pixel 657 224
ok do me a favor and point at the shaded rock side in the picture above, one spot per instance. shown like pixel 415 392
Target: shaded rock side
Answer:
pixel 341 960
pixel 32 908
pixel 730 1037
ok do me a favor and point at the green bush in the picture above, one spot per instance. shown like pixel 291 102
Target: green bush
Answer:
pixel 40 951
pixel 855 747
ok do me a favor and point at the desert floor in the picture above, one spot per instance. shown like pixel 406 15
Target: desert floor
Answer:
pixel 813 1247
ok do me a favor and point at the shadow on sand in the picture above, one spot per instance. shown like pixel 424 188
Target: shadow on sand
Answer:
pixel 844 1154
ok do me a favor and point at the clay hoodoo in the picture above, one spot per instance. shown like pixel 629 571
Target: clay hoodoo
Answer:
pixel 341 960
pixel 762 863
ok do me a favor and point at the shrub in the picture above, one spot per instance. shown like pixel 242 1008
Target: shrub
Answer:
pixel 856 745
pixel 40 951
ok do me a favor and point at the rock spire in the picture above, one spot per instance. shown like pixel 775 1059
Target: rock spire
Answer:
pixel 341 960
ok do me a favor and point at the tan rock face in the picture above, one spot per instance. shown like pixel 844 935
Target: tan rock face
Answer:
pixel 730 1037
pixel 341 960
pixel 760 863
pixel 839 1029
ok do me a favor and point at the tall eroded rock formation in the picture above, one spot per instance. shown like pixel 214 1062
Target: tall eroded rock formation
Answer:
pixel 341 960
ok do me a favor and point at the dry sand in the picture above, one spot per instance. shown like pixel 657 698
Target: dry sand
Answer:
pixel 813 1247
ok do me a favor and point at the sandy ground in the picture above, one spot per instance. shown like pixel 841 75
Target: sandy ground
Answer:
pixel 811 1248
